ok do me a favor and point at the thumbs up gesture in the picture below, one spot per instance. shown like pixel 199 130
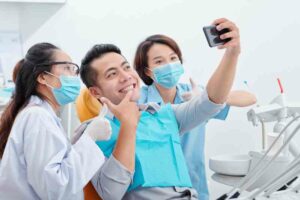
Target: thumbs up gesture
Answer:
pixel 126 111
pixel 99 128
pixel 186 96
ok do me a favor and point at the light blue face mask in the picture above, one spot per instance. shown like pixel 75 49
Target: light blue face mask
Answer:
pixel 168 75
pixel 69 90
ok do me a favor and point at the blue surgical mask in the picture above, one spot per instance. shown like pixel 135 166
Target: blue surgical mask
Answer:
pixel 168 75
pixel 69 90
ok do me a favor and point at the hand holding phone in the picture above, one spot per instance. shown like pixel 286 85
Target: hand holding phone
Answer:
pixel 213 35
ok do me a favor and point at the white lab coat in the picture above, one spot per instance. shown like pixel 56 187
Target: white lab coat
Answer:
pixel 39 162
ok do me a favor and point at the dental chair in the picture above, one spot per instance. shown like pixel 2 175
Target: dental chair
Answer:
pixel 88 107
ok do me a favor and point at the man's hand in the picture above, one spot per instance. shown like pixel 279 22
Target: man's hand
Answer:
pixel 126 111
pixel 233 46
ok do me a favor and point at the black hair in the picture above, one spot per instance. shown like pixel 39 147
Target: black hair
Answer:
pixel 87 73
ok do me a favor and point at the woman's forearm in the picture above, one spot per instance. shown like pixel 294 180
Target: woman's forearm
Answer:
pixel 240 98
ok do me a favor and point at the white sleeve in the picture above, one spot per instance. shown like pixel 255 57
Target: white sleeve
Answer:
pixel 55 168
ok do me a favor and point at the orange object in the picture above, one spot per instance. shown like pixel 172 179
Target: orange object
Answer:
pixel 90 192
pixel 88 107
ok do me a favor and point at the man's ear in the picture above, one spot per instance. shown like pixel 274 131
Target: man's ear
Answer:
pixel 96 92
pixel 41 79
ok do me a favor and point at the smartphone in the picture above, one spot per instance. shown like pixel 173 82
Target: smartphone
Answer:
pixel 213 35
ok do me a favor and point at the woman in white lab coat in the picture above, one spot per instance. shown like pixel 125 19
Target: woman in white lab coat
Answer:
pixel 38 161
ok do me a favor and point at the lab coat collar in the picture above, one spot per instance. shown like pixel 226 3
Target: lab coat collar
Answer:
pixel 37 101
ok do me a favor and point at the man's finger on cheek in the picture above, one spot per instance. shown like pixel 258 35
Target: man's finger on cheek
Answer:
pixel 106 101
pixel 128 96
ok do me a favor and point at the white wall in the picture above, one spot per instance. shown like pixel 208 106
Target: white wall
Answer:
pixel 9 11
pixel 9 22
pixel 269 34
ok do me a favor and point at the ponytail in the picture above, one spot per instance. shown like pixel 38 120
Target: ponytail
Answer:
pixel 25 76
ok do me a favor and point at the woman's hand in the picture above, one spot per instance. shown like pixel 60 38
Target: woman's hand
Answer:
pixel 99 128
pixel 186 96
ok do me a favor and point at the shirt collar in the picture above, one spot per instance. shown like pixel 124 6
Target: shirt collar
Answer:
pixel 154 96
pixel 179 91
pixel 150 107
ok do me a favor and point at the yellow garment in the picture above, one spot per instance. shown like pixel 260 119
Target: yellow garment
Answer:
pixel 88 107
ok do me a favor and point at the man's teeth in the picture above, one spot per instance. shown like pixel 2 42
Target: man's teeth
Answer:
pixel 127 89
